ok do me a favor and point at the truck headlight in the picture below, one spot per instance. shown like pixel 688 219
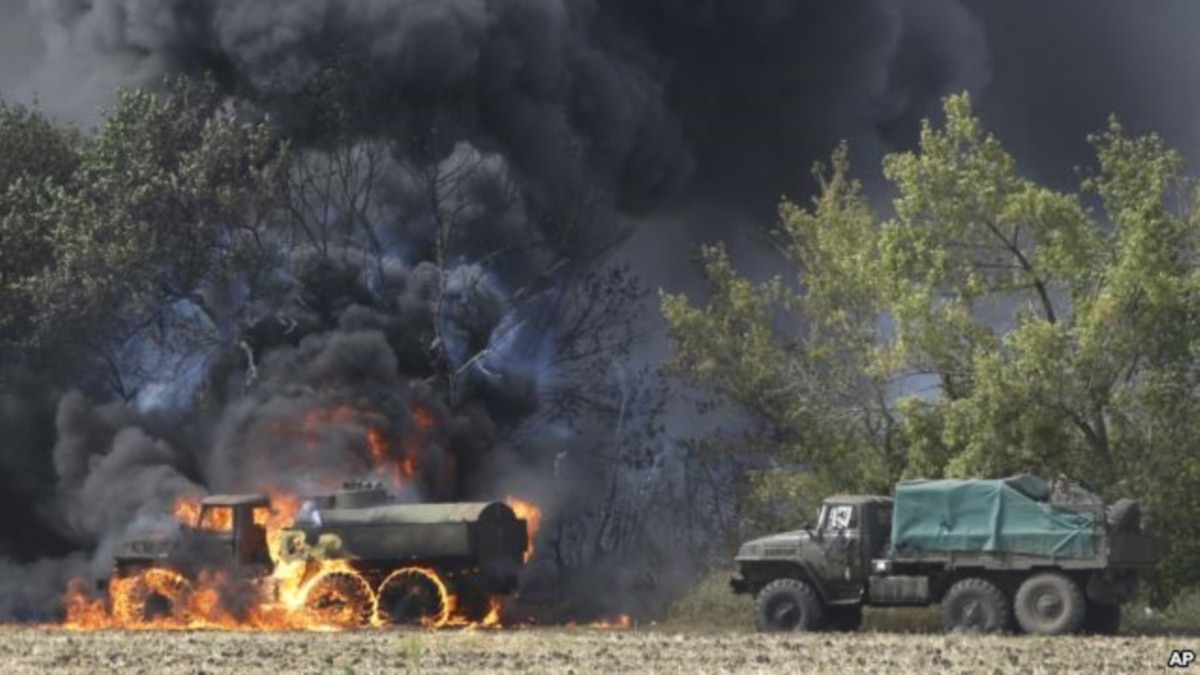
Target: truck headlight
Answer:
pixel 882 566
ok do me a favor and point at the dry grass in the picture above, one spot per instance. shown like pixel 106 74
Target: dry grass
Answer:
pixel 1181 618
pixel 568 651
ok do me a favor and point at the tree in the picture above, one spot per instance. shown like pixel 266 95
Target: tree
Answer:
pixel 991 326
pixel 134 221
pixel 36 159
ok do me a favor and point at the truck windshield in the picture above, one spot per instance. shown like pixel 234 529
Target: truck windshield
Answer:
pixel 216 519
pixel 838 517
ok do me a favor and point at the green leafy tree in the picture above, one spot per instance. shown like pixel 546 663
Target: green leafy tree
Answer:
pixel 991 326
pixel 112 229
pixel 36 159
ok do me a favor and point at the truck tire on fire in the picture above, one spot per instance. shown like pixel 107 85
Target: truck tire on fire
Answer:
pixel 341 598
pixel 413 596
pixel 150 595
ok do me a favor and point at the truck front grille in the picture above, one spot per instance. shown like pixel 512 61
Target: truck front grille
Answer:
pixel 780 551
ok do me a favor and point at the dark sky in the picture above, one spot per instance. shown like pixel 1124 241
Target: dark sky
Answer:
pixel 738 73
pixel 699 113
pixel 1057 74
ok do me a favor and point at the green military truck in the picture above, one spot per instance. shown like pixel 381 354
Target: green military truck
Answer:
pixel 1019 553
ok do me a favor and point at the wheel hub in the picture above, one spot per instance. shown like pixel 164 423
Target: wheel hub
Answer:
pixel 786 614
pixel 1048 605
pixel 973 614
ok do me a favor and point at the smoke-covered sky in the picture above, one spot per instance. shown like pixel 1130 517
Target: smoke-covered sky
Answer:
pixel 731 99
pixel 1059 69
pixel 759 87
pixel 685 121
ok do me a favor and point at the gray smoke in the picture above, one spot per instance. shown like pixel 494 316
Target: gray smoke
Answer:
pixel 114 476
pixel 638 99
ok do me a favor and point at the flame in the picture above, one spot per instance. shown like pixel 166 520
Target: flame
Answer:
pixel 333 597
pixel 411 581
pixel 492 618
pixel 415 441
pixel 533 519
pixel 423 418
pixel 622 622
pixel 317 420
pixel 377 446
pixel 312 433
pixel 83 612
pixel 337 596
pixel 187 510
pixel 282 513
pixel 382 460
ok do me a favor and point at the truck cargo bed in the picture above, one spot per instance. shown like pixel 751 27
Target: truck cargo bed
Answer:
pixel 983 518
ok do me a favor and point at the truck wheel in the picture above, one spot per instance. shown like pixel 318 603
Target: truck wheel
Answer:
pixel 157 606
pixel 844 618
pixel 975 606
pixel 341 599
pixel 155 594
pixel 1049 604
pixel 413 596
pixel 789 604
pixel 1101 619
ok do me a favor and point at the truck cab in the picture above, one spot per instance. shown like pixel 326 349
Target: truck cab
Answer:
pixel 229 532
pixel 234 528
pixel 832 559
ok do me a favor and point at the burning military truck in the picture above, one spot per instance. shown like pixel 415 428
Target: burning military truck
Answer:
pixel 353 558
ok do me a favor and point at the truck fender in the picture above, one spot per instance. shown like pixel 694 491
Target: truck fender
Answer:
pixel 765 572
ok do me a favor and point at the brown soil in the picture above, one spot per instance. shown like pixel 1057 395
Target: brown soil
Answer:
pixel 30 650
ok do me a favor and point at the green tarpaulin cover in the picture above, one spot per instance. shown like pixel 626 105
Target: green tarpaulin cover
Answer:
pixel 1010 515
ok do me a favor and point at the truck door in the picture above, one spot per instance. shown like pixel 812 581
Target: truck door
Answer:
pixel 840 541
pixel 250 537
pixel 876 533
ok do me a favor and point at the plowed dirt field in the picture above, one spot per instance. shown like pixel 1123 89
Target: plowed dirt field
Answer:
pixel 30 650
